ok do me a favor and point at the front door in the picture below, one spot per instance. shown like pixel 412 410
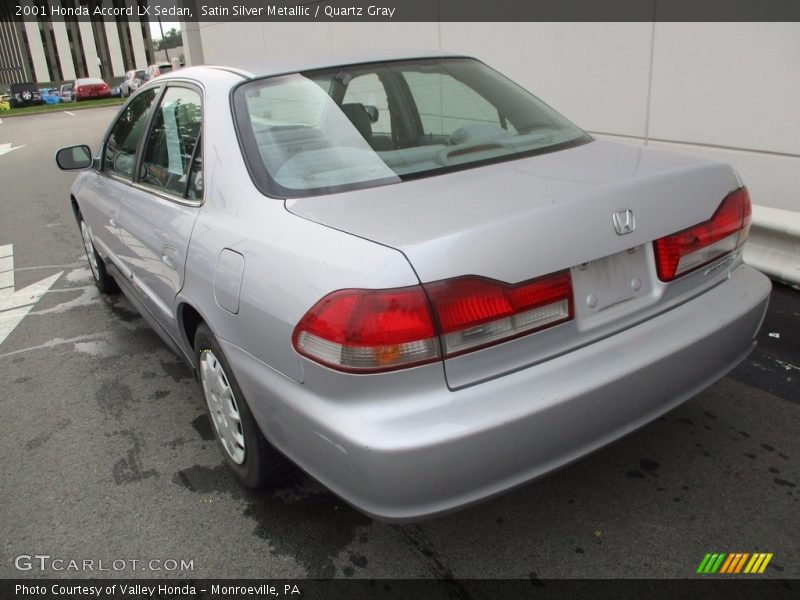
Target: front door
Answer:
pixel 101 197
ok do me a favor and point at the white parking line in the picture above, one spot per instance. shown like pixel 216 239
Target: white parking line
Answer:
pixel 6 269
pixel 69 113
pixel 14 305
pixel 1 121
pixel 6 148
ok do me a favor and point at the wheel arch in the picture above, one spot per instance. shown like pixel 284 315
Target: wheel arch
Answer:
pixel 189 319
pixel 76 210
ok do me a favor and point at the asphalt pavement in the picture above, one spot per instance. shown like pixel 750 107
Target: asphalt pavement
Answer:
pixel 107 454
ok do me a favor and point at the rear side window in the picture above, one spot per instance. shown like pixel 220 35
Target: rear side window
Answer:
pixel 170 147
pixel 369 92
pixel 445 105
pixel 122 143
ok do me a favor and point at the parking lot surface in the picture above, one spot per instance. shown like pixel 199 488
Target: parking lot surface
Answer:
pixel 107 454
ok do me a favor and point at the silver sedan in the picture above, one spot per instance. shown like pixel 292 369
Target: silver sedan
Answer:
pixel 409 275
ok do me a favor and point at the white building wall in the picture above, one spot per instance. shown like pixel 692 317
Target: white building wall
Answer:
pixel 62 48
pixel 723 90
pixel 89 48
pixel 40 70
pixel 114 44
pixel 139 54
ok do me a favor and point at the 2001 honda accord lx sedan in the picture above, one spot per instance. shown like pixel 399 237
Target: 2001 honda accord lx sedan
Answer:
pixel 409 275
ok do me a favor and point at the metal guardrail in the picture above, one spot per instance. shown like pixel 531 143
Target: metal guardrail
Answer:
pixel 774 244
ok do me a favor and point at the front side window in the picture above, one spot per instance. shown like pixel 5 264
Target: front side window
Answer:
pixel 351 127
pixel 121 146
pixel 170 147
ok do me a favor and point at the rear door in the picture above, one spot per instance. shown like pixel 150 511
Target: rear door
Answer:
pixel 159 211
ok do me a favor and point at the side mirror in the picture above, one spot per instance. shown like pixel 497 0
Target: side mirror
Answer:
pixel 74 158
pixel 372 112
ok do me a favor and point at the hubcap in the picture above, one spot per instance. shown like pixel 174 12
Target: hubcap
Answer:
pixel 87 244
pixel 222 406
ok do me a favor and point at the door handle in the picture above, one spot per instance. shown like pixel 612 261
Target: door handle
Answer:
pixel 167 256
pixel 112 219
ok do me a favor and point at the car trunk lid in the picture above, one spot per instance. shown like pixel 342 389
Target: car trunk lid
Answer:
pixel 527 218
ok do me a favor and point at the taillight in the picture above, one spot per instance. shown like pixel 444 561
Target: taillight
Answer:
pixel 369 330
pixel 474 312
pixel 382 330
pixel 692 248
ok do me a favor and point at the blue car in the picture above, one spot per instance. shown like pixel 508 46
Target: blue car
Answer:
pixel 50 95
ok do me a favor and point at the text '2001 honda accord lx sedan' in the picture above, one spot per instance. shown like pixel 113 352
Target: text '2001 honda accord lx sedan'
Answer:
pixel 410 276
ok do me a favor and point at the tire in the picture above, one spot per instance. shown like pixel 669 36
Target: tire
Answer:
pixel 104 282
pixel 247 452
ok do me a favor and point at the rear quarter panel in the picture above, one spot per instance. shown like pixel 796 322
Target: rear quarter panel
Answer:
pixel 289 262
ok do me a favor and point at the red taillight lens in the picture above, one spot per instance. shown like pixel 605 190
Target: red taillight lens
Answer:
pixel 369 330
pixel 383 330
pixel 474 312
pixel 692 248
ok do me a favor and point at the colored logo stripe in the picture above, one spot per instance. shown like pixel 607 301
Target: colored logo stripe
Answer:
pixel 732 563
pixel 711 563
pixel 758 563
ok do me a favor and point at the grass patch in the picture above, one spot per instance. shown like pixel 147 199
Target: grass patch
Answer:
pixel 60 107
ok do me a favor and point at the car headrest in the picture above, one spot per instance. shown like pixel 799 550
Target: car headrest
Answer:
pixel 359 117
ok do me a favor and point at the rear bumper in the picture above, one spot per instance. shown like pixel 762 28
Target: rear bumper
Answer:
pixel 430 450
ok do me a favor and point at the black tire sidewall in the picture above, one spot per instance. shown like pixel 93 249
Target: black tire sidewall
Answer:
pixel 258 453
pixel 104 282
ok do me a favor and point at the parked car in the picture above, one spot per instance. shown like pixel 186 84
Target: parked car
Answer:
pixel 156 70
pixel 24 94
pixel 90 88
pixel 50 95
pixel 410 276
pixel 133 79
pixel 66 91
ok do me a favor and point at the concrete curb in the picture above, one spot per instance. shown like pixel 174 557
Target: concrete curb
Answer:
pixel 774 243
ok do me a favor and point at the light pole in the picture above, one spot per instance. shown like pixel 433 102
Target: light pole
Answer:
pixel 163 39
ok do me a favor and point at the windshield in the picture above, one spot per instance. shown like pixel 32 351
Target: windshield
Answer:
pixel 359 126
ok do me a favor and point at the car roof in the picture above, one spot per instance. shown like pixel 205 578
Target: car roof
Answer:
pixel 264 68
pixel 208 74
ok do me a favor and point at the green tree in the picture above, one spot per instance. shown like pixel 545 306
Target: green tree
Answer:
pixel 171 39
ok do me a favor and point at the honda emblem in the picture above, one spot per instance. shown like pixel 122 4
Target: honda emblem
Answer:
pixel 624 222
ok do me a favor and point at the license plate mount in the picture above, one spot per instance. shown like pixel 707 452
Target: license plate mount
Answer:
pixel 606 282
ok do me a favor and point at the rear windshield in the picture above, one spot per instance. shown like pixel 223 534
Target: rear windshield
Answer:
pixel 345 128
